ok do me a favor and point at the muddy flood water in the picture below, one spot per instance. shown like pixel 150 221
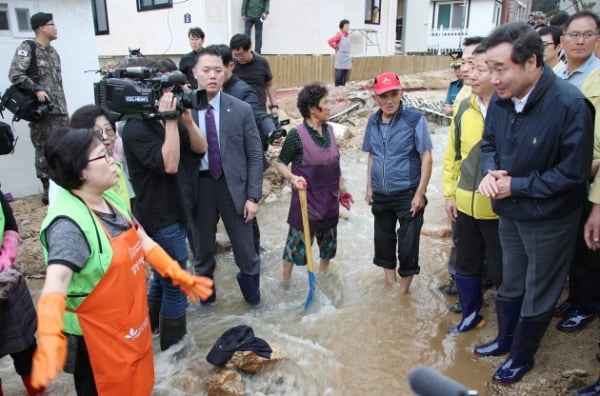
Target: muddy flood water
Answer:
pixel 358 336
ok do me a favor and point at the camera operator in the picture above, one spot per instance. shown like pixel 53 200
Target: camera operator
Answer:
pixel 159 154
pixel 239 89
pixel 47 86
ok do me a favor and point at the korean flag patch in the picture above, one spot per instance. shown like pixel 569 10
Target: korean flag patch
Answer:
pixel 22 52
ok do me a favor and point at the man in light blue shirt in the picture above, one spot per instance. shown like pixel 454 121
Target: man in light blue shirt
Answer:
pixel 579 42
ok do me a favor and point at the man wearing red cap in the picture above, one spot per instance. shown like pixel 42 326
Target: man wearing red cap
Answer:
pixel 398 171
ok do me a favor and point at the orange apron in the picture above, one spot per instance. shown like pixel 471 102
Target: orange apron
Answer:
pixel 115 325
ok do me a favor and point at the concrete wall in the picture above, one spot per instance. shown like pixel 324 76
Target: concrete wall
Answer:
pixel 76 45
pixel 293 27
pixel 297 70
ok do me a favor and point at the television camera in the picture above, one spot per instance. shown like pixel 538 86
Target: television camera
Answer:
pixel 279 130
pixel 135 91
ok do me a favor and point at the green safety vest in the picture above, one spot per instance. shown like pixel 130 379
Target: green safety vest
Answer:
pixel 83 282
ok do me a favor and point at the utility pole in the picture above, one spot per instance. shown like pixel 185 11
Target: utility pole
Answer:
pixel 504 13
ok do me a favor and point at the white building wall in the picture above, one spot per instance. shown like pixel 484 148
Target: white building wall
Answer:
pixel 76 45
pixel 292 27
pixel 481 17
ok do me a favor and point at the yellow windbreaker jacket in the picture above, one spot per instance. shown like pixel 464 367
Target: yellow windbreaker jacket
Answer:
pixel 462 173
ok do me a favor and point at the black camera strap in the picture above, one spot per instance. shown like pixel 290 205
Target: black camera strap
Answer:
pixel 18 98
pixel 33 71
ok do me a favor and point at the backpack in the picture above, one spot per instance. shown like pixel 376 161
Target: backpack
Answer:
pixel 22 102
pixel 7 139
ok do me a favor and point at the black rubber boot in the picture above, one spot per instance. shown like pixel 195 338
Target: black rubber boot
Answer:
pixel 250 287
pixel 576 319
pixel 46 186
pixel 526 341
pixel 213 296
pixel 171 331
pixel 469 292
pixel 508 312
pixel 154 312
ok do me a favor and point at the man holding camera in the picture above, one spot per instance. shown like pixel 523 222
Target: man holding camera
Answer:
pixel 47 86
pixel 230 177
pixel 159 153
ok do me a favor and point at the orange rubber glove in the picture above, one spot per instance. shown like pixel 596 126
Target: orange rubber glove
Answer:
pixel 194 286
pixel 51 353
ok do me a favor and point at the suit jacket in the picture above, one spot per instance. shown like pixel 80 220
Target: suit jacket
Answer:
pixel 238 88
pixel 241 152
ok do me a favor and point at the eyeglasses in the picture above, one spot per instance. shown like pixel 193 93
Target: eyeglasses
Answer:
pixel 546 43
pixel 103 134
pixel 49 24
pixel 577 35
pixel 106 157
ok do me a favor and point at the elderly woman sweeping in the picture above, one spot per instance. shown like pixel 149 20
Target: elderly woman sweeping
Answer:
pixel 315 158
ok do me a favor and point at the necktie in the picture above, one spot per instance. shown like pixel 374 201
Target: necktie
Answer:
pixel 214 155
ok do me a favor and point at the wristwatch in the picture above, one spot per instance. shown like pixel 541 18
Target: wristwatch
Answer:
pixel 255 200
pixel 273 106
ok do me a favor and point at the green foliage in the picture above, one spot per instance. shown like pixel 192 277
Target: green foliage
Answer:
pixel 544 5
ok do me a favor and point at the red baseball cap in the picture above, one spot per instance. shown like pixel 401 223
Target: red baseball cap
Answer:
pixel 386 82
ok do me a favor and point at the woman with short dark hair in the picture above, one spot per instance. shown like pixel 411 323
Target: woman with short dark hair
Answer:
pixel 94 295
pixel 315 158
pixel 96 118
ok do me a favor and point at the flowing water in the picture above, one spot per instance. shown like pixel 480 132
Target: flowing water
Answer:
pixel 358 336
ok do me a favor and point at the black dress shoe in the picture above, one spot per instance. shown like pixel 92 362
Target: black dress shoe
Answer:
pixel 562 309
pixel 575 319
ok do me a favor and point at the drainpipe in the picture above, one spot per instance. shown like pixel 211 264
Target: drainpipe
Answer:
pixel 229 21
pixel 505 14
pixel 466 13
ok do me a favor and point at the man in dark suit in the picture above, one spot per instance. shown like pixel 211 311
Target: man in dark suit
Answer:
pixel 238 88
pixel 230 176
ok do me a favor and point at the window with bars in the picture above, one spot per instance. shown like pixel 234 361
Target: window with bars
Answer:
pixel 372 12
pixel 147 5
pixel 449 15
pixel 23 23
pixel 4 24
pixel 100 17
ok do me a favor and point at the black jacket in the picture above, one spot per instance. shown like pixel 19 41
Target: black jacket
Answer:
pixel 242 91
pixel 546 149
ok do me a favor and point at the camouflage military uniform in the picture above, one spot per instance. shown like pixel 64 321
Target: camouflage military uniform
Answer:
pixel 50 80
